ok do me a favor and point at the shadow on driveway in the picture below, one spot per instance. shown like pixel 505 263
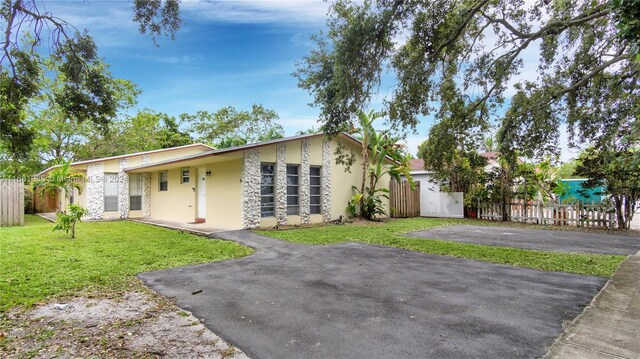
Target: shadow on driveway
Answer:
pixel 355 300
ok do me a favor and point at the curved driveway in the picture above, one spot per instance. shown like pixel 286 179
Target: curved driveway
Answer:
pixel 355 300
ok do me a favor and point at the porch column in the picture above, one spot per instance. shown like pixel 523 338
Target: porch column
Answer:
pixel 326 180
pixel 281 184
pixel 146 194
pixel 95 190
pixel 305 162
pixel 251 188
pixel 123 188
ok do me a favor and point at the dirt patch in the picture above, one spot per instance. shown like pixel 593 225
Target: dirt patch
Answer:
pixel 136 323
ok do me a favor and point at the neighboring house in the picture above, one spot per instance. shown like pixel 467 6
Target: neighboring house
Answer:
pixel 492 160
pixel 291 181
pixel 575 191
pixel 434 203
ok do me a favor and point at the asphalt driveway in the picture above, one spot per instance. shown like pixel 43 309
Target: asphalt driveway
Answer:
pixel 540 239
pixel 356 300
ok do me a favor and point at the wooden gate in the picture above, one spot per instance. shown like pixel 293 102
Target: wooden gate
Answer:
pixel 11 202
pixel 404 202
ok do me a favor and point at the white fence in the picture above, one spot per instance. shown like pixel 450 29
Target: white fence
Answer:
pixel 11 202
pixel 576 213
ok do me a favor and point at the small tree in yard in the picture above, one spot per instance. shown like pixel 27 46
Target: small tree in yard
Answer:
pixel 618 171
pixel 67 220
pixel 63 180
pixel 381 156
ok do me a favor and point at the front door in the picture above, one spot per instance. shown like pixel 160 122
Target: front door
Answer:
pixel 202 193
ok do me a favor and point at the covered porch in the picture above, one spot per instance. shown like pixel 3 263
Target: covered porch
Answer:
pixel 200 193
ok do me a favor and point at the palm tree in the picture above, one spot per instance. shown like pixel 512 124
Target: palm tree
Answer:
pixel 61 179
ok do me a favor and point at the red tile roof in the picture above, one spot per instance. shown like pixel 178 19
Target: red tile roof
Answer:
pixel 489 155
pixel 417 164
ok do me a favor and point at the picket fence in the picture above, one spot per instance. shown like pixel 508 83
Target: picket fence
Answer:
pixel 11 202
pixel 576 213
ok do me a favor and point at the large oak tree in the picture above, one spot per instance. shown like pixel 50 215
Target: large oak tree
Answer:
pixel 456 60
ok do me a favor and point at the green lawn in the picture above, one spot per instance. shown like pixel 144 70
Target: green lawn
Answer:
pixel 389 234
pixel 36 263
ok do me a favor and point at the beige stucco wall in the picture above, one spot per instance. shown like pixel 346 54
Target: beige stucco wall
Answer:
pixel 224 194
pixel 342 182
pixel 177 203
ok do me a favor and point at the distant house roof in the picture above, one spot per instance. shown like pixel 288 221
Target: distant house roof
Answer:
pixel 489 155
pixel 416 164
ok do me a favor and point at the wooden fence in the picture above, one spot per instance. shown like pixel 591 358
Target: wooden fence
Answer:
pixel 11 202
pixel 580 214
pixel 404 202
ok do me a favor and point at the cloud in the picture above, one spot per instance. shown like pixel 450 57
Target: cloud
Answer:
pixel 299 12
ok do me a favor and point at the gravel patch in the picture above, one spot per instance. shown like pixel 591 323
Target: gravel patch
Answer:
pixel 134 324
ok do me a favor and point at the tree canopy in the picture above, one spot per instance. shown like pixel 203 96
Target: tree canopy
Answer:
pixel 459 60
pixel 229 127
pixel 86 93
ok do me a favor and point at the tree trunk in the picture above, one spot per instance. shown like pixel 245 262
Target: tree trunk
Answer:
pixel 617 203
pixel 73 230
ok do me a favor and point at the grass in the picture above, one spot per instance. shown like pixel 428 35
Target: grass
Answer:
pixel 389 234
pixel 36 263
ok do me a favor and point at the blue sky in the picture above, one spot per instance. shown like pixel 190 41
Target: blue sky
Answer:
pixel 226 53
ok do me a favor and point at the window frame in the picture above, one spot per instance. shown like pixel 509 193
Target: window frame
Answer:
pixel 273 190
pixel 139 196
pixel 160 181
pixel 296 186
pixel 107 179
pixel 182 176
pixel 318 206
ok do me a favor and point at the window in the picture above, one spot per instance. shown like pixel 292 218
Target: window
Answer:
pixel 184 175
pixel 163 180
pixel 314 190
pixel 293 198
pixel 72 197
pixel 267 189
pixel 135 192
pixel 110 192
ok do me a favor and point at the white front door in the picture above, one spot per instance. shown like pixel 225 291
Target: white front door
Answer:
pixel 202 193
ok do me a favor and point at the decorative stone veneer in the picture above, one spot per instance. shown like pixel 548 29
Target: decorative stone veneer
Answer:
pixel 95 190
pixel 251 188
pixel 281 184
pixel 326 180
pixel 304 194
pixel 146 194
pixel 123 188
pixel 146 188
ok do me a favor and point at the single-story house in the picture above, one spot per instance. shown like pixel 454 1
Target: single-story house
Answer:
pixel 288 181
pixel 433 202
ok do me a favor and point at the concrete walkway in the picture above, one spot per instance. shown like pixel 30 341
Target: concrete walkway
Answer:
pixel 610 326
pixel 195 228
